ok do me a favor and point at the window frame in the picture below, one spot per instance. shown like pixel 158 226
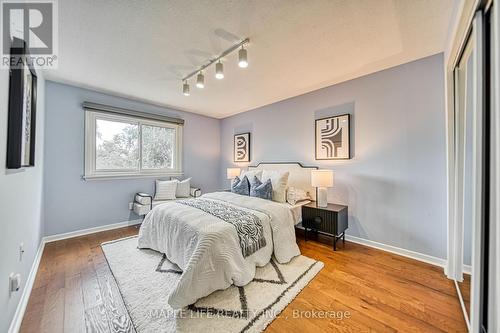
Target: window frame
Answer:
pixel 92 173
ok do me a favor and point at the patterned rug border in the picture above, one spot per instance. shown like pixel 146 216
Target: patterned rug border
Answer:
pixel 288 295
pixel 281 302
pixel 114 277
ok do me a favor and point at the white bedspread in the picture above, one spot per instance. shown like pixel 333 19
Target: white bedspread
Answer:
pixel 207 248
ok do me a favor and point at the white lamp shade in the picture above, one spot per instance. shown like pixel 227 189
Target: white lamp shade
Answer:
pixel 322 178
pixel 232 173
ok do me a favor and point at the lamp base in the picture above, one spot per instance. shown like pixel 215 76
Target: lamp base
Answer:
pixel 322 199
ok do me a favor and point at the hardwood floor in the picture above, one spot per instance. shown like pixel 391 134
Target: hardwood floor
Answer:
pixel 376 291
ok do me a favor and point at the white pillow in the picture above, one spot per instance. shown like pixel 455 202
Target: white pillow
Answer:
pixel 165 189
pixel 251 173
pixel 183 188
pixel 294 195
pixel 279 179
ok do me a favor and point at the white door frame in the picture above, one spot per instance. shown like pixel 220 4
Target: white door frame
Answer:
pixel 477 166
pixel 494 274
pixel 453 267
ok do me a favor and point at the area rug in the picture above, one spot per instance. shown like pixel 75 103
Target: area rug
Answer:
pixel 145 279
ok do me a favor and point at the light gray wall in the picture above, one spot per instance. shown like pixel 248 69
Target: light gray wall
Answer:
pixel 73 204
pixel 395 185
pixel 21 207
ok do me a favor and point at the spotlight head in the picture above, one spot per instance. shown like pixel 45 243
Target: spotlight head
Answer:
pixel 185 89
pixel 219 71
pixel 242 58
pixel 200 81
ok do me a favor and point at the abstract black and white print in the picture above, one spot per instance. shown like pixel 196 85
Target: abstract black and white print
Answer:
pixel 332 138
pixel 242 147
pixel 26 127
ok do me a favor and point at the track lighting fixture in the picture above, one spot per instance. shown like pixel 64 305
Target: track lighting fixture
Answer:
pixel 185 88
pixel 200 80
pixel 242 58
pixel 219 71
pixel 219 67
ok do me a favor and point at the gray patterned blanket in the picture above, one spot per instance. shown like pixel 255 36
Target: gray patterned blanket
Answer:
pixel 248 226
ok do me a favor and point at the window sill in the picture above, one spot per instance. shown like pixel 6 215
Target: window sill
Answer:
pixel 118 177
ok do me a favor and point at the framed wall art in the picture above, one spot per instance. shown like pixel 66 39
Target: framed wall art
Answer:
pixel 332 138
pixel 21 132
pixel 242 147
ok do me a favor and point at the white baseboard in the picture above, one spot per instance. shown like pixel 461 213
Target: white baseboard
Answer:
pixel 15 324
pixel 53 238
pixel 397 250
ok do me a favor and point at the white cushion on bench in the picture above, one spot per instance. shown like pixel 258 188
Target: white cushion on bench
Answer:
pixel 142 206
pixel 141 209
pixel 143 198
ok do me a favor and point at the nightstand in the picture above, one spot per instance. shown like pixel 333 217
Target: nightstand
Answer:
pixel 330 220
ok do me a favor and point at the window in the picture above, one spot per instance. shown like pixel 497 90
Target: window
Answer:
pixel 123 146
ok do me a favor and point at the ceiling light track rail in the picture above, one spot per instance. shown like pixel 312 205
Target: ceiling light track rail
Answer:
pixel 218 58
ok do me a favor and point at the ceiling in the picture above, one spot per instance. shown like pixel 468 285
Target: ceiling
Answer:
pixel 142 49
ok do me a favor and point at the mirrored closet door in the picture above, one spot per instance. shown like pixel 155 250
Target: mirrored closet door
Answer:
pixel 472 113
pixel 463 166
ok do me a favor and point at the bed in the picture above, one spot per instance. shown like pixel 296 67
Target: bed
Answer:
pixel 213 254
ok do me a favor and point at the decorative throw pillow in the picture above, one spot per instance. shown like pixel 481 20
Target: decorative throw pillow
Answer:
pixel 261 190
pixel 252 173
pixel 165 189
pixel 279 179
pixel 183 188
pixel 294 195
pixel 240 186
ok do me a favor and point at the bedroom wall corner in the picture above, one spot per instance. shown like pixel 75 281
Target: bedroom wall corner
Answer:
pixel 72 204
pixel 22 212
pixel 395 184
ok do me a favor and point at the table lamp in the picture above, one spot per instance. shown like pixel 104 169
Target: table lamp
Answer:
pixel 232 173
pixel 322 179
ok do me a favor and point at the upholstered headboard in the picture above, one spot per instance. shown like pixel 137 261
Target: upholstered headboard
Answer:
pixel 300 176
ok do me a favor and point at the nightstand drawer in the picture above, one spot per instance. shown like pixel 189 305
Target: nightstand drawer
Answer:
pixel 330 220
pixel 321 220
